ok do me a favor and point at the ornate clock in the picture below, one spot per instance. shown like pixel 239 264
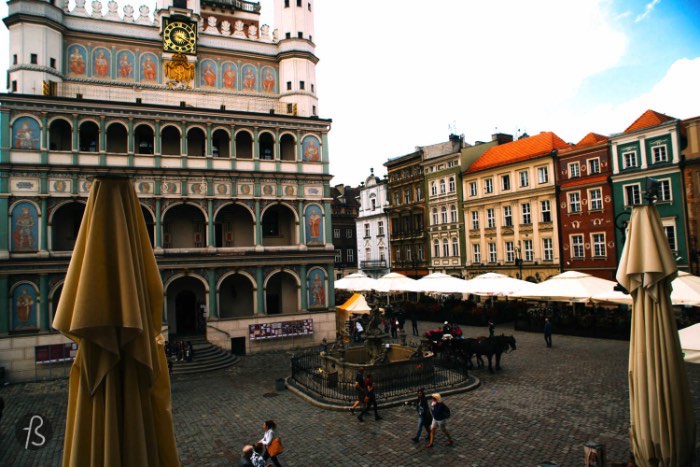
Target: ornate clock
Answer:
pixel 179 35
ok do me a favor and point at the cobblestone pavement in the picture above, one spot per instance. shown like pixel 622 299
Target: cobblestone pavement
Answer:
pixel 543 406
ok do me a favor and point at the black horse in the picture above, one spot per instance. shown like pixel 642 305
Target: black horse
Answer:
pixel 490 346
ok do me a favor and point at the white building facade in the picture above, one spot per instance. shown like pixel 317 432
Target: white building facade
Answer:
pixel 373 248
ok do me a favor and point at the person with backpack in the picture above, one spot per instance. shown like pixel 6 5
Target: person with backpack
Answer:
pixel 440 413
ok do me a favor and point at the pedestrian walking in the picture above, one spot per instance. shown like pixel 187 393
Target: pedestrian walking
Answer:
pixel 246 454
pixel 425 419
pixel 359 390
pixel 414 324
pixel 269 443
pixel 492 328
pixel 358 331
pixel 370 399
pixel 440 414
pixel 548 332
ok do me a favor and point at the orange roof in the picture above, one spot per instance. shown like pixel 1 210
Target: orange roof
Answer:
pixel 517 151
pixel 591 139
pixel 647 120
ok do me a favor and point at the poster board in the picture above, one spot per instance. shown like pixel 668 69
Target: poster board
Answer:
pixel 300 327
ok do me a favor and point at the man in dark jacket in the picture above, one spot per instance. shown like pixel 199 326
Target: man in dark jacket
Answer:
pixel 548 332
pixel 424 416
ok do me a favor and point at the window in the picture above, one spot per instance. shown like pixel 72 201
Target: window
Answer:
pixel 472 189
pixel 490 218
pixel 300 35
pixel 420 252
pixel 373 203
pixel 595 199
pixel 526 214
pixel 302 84
pixel 13 87
pixel 309 6
pixel 397 254
pixel 286 3
pixel 433 188
pixel 598 241
pixel 419 193
pixel 407 196
pixel 368 253
pixel 492 253
pixel 476 253
pixel 396 198
pixel 452 184
pixel 529 252
pixel 546 211
pixel 593 166
pixel 455 246
pixel 507 216
pixel 338 256
pixel 14 59
pixel 543 174
pixel 336 233
pixel 312 84
pixel 442 187
pixel 670 231
pixel 577 246
pixel 453 214
pixel 409 253
pixel 380 228
pixel 52 63
pixel 348 233
pixel 659 154
pixel 510 252
pixel 524 177
pixel 505 182
pixel 350 255
pixel 633 195
pixel 664 190
pixel 436 249
pixel 548 249
pixel 445 247
pixel 629 159
pixel 574 170
pixel 367 231
pixel 435 217
pixel 475 220
pixel 575 201
pixel 298 2
pixel 443 212
pixel 289 85
pixel 287 35
pixel 488 185
pixel 33 59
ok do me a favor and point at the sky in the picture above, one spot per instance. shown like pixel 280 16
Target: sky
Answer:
pixel 397 74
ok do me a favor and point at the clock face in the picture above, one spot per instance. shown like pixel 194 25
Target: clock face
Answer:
pixel 180 37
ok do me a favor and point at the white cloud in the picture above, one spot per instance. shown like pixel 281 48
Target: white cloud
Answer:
pixel 647 11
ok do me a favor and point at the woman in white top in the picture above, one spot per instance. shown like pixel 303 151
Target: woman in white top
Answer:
pixel 269 427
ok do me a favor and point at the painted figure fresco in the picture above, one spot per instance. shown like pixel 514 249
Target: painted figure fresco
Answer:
pixel 229 76
pixel 25 133
pixel 101 63
pixel 76 60
pixel 310 149
pixel 208 73
pixel 25 227
pixel 24 308
pixel 314 224
pixel 126 65
pixel 249 77
pixel 149 70
pixel 317 288
pixel 268 81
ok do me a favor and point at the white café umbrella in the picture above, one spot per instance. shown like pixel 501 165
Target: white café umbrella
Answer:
pixel 356 282
pixel 439 282
pixel 493 284
pixel 690 343
pixel 570 286
pixel 396 283
pixel 662 424
pixel 686 291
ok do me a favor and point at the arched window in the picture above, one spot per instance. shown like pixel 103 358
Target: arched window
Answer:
pixel 143 139
pixel 452 184
pixel 244 145
pixel 170 141
pixel 220 144
pixel 287 148
pixel 455 246
pixel 445 247
pixel 89 137
pixel 117 138
pixel 267 147
pixel 453 213
pixel 435 216
pixel 60 136
pixel 443 212
pixel 195 142
pixel 436 249
pixel 433 188
pixel 442 187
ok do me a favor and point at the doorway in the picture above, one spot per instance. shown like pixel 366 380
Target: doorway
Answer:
pixel 186 314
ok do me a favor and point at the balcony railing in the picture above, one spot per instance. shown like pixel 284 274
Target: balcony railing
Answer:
pixel 373 264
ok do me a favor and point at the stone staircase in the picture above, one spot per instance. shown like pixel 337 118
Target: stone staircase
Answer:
pixel 207 357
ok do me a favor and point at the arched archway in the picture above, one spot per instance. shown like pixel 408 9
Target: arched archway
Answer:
pixel 89 137
pixel 184 226
pixel 186 307
pixel 117 138
pixel 220 144
pixel 267 146
pixel 170 141
pixel 60 136
pixel 279 226
pixel 244 145
pixel 54 298
pixel 65 224
pixel 195 142
pixel 281 294
pixel 287 148
pixel 234 227
pixel 143 139
pixel 150 225
pixel 236 296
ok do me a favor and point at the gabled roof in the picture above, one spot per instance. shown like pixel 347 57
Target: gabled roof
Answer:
pixel 591 139
pixel 517 151
pixel 647 120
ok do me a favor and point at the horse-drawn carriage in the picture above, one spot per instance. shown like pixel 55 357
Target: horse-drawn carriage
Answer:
pixel 449 343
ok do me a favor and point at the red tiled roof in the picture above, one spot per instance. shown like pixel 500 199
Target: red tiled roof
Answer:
pixel 591 139
pixel 517 151
pixel 647 120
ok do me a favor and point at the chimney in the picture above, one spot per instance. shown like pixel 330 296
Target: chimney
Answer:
pixel 502 138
